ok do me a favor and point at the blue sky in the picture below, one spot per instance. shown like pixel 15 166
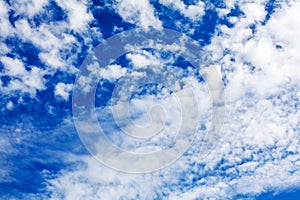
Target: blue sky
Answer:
pixel 291 194
pixel 253 48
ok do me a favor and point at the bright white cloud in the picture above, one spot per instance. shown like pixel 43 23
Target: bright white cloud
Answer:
pixel 45 38
pixel 5 27
pixel 4 49
pixel 63 90
pixel 9 105
pixel 139 12
pixel 194 12
pixel 22 80
pixel 113 72
pixel 144 60
pixel 78 14
pixel 260 141
pixel 260 102
pixel 13 66
pixel 58 48
pixel 29 7
pixel 253 11
pixel 95 181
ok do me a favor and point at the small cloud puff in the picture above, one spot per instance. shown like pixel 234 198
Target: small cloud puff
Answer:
pixel 139 12
pixel 63 90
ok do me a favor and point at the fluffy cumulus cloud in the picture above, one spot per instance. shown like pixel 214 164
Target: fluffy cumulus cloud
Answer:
pixel 259 148
pixel 4 24
pixel 37 23
pixel 94 181
pixel 256 52
pixel 29 7
pixel 194 12
pixel 140 13
pixel 22 80
pixel 78 14
pixel 261 77
pixel 63 90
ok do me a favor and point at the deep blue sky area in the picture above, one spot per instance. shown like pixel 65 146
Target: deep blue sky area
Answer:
pixel 294 194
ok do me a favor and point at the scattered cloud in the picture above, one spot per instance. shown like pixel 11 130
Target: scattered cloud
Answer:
pixel 140 13
pixel 63 90
pixel 21 79
pixel 259 145
pixel 259 62
pixel 194 12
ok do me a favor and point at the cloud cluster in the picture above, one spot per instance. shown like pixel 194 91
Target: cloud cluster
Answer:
pixel 260 144
pixel 54 40
pixel 259 62
pixel 194 12
pixel 140 13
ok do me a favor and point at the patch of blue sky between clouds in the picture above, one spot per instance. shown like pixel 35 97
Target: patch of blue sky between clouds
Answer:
pixel 42 154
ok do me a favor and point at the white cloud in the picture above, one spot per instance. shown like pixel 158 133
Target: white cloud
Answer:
pixel 13 66
pixel 78 14
pixel 52 58
pixel 94 181
pixel 194 12
pixel 260 141
pixel 260 102
pixel 29 7
pixel 113 72
pixel 22 79
pixel 253 11
pixel 144 60
pixel 4 49
pixel 9 105
pixel 5 27
pixel 139 12
pixel 5 148
pixel 59 49
pixel 63 90
pixel 45 39
pixel 34 78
